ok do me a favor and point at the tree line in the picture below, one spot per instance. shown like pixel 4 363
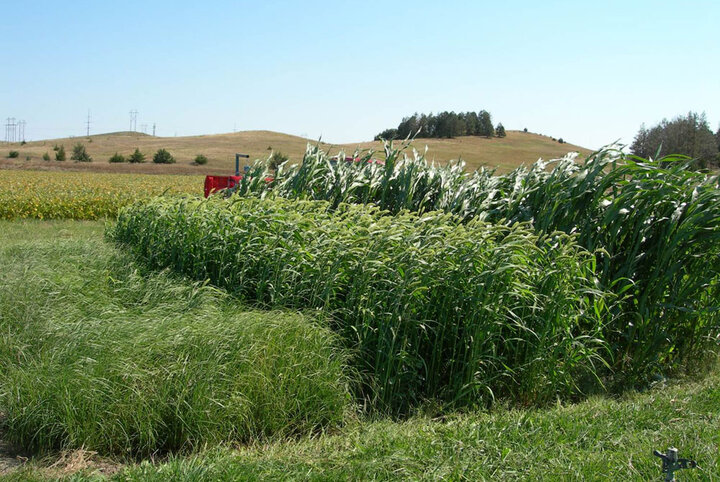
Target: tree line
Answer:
pixel 688 135
pixel 444 124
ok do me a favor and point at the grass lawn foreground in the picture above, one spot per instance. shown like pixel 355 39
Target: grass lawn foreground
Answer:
pixel 106 369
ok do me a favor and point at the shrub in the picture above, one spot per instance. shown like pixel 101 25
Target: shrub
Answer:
pixel 60 153
pixel 23 143
pixel 561 141
pixel 136 157
pixel 13 155
pixel 46 156
pixel 162 156
pixel 79 154
pixel 116 158
pixel 200 160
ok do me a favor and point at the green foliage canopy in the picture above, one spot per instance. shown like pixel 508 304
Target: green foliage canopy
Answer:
pixel 687 135
pixel 442 125
pixel 80 154
pixel 136 157
pixel 162 156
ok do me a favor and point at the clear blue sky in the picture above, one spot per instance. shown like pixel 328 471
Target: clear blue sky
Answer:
pixel 590 72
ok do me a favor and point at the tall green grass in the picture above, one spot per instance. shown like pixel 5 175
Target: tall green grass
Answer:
pixel 653 224
pixel 97 354
pixel 434 308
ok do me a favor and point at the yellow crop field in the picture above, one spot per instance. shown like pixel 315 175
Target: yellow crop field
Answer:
pixel 82 195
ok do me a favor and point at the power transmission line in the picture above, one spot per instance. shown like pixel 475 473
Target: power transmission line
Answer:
pixel 11 130
pixel 133 120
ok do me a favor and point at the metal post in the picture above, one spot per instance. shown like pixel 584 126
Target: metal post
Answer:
pixel 237 162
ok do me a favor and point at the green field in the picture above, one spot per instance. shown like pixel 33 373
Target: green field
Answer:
pixel 353 320
pixel 82 195
pixel 63 283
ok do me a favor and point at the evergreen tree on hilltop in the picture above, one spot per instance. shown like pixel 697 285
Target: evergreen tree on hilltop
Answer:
pixel 485 126
pixel 444 124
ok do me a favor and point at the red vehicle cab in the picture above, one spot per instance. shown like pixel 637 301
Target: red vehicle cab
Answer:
pixel 216 183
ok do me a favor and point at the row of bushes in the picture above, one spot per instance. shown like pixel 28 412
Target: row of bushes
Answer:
pixel 654 226
pixel 162 156
pixel 431 307
pixel 80 154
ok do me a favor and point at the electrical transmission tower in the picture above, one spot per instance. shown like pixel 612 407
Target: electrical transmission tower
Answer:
pixel 87 123
pixel 11 130
pixel 143 128
pixel 133 120
pixel 153 129
pixel 21 130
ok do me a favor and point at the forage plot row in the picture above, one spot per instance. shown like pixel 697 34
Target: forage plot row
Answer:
pixel 433 308
pixel 654 226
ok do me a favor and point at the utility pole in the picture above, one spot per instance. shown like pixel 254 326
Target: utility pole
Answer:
pixel 88 123
pixel 133 120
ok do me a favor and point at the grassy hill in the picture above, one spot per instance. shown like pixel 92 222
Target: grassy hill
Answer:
pixel 505 154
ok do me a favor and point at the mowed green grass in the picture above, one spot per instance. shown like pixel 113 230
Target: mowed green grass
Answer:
pixel 600 439
pixel 504 154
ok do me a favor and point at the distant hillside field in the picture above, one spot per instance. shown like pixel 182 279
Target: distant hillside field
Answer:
pixel 503 153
